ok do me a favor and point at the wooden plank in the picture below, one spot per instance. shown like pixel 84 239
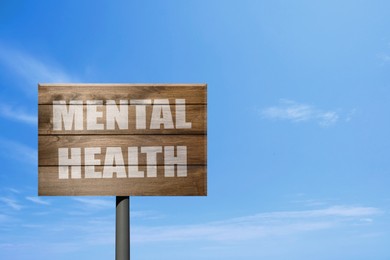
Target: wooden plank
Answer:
pixel 192 93
pixel 48 154
pixel 196 114
pixel 175 138
pixel 195 184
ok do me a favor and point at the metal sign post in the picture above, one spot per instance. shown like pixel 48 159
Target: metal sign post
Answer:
pixel 122 231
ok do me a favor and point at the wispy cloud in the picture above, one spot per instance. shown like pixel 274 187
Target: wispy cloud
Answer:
pixel 313 202
pixel 92 231
pixel 337 211
pixel 3 218
pixel 298 112
pixel 38 200
pixel 145 215
pixel 96 203
pixel 384 57
pixel 17 114
pixel 90 234
pixel 11 203
pixel 27 71
pixel 259 225
pixel 13 190
pixel 31 68
pixel 18 151
pixel 33 226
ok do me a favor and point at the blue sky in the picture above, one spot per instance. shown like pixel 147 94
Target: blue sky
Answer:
pixel 298 126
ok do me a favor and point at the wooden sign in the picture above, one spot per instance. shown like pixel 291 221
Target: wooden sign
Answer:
pixel 122 139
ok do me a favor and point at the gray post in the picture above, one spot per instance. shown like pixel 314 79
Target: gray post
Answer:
pixel 122 239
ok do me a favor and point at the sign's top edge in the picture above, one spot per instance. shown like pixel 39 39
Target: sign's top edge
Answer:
pixel 124 84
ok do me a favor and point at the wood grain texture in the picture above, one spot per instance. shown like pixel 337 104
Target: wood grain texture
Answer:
pixel 196 114
pixel 194 138
pixel 48 146
pixel 195 184
pixel 192 93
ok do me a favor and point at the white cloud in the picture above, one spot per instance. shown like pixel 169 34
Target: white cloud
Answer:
pixel 385 58
pixel 11 203
pixel 259 225
pixel 32 69
pixel 145 215
pixel 3 218
pixel 337 211
pixel 96 203
pixel 289 110
pixel 18 151
pixel 27 71
pixel 33 226
pixel 296 112
pixel 60 237
pixel 17 114
pixel 92 231
pixel 367 220
pixel 13 190
pixel 38 200
pixel 350 115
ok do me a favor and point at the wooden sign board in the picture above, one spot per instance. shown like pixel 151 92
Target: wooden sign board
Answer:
pixel 122 139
